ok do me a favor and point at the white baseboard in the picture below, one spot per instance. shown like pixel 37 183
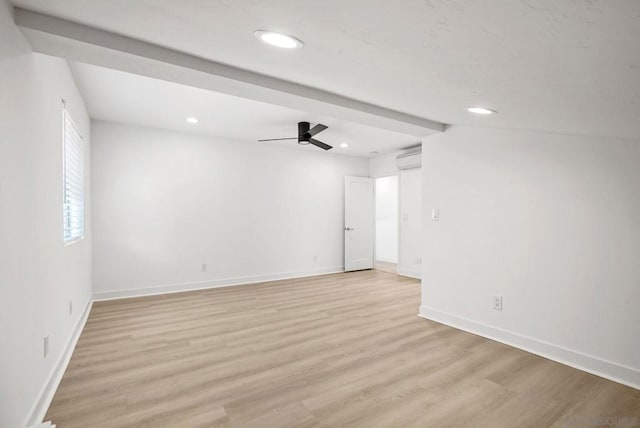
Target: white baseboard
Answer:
pixel 43 401
pixel 409 272
pixel 609 370
pixel 203 285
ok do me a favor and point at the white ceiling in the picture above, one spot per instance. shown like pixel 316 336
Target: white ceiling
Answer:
pixel 557 65
pixel 129 98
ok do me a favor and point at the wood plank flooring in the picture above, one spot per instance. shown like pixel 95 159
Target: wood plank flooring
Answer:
pixel 386 266
pixel 334 350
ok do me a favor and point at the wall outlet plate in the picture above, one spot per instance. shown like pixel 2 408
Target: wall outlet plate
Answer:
pixel 497 303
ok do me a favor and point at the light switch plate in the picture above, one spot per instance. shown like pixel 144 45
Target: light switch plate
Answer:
pixel 435 214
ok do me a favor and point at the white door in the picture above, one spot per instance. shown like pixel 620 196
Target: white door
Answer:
pixel 358 223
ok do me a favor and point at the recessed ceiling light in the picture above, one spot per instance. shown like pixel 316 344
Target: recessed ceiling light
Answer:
pixel 344 145
pixel 192 120
pixel 480 110
pixel 278 39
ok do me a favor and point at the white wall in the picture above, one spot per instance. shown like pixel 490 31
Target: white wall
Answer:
pixel 38 274
pixel 387 219
pixel 550 222
pixel 410 258
pixel 410 211
pixel 166 203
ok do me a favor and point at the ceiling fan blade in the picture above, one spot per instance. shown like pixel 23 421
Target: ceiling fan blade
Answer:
pixel 320 144
pixel 318 128
pixel 278 139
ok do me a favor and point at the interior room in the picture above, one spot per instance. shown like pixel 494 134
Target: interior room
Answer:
pixel 339 213
pixel 386 233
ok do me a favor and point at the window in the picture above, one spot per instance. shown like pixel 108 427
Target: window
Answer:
pixel 73 167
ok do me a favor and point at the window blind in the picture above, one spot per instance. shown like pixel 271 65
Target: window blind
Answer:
pixel 73 204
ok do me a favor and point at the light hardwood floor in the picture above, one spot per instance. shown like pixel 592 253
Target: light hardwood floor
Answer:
pixel 334 350
pixel 386 266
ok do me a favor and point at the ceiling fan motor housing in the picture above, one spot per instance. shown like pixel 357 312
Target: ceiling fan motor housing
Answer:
pixel 303 133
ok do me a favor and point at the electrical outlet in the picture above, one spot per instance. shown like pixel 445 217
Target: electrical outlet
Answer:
pixel 315 258
pixel 70 307
pixel 497 303
pixel 46 345
pixel 204 268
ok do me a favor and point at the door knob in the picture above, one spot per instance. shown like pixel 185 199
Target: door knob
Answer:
pixel 348 228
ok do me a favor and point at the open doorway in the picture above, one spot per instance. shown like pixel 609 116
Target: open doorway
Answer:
pixel 386 206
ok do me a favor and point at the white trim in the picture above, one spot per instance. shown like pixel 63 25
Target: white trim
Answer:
pixel 43 401
pixel 43 425
pixel 395 262
pixel 409 272
pixel 216 283
pixel 607 369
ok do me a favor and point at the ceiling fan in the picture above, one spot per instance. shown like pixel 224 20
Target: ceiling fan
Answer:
pixel 305 135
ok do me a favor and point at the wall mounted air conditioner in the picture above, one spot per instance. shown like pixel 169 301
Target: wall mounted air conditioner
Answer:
pixel 409 160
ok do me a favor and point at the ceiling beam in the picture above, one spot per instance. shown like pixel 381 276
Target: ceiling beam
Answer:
pixel 66 39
